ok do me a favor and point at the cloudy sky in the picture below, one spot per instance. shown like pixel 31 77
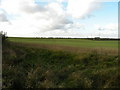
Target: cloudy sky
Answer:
pixel 59 18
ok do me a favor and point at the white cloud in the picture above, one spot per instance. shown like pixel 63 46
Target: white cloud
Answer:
pixel 108 30
pixel 52 19
pixel 3 17
pixel 31 17
pixel 110 26
pixel 15 6
pixel 81 8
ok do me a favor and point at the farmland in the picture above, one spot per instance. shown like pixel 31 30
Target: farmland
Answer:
pixel 70 45
pixel 69 42
pixel 60 63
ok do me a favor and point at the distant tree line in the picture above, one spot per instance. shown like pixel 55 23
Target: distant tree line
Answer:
pixel 95 38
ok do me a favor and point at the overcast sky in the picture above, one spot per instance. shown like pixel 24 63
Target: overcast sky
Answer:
pixel 59 18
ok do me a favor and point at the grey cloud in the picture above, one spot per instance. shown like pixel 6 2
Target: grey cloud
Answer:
pixel 88 16
pixel 33 9
pixel 101 29
pixel 61 23
pixel 94 6
pixel 57 21
pixel 3 18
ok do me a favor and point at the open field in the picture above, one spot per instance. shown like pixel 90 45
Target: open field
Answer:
pixel 69 42
pixel 70 45
pixel 41 63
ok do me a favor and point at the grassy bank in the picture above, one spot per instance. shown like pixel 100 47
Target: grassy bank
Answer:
pixel 29 67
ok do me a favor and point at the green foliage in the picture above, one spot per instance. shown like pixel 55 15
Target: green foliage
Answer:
pixel 41 68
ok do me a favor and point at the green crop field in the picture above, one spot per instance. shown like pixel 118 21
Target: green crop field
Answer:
pixel 69 42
